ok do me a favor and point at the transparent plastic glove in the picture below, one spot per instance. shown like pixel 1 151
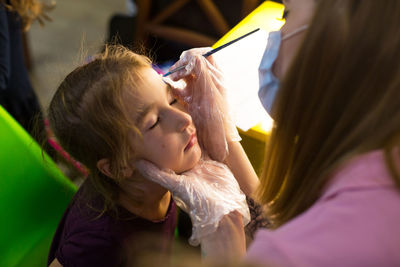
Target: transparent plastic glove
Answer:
pixel 207 193
pixel 205 95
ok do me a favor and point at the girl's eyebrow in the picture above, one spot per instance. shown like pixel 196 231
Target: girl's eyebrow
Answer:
pixel 168 87
pixel 142 114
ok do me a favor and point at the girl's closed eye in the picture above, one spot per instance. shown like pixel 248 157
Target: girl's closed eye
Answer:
pixel 174 101
pixel 155 123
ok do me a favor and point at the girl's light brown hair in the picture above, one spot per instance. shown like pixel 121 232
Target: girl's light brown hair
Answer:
pixel 29 11
pixel 88 116
pixel 340 98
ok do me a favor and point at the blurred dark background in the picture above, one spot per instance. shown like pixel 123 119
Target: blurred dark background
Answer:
pixel 166 28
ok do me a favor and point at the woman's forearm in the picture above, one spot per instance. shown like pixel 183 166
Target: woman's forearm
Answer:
pixel 240 165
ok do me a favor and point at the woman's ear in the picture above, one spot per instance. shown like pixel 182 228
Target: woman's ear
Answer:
pixel 104 166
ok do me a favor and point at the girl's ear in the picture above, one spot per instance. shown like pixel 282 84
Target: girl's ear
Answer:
pixel 104 166
pixel 127 172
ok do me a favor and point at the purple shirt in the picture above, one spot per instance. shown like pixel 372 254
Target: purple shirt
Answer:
pixel 356 222
pixel 84 240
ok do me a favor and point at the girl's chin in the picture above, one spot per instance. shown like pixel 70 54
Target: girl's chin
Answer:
pixel 190 165
pixel 196 159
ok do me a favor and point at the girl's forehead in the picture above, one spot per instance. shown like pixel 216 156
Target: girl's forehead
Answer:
pixel 146 87
pixel 151 73
pixel 143 80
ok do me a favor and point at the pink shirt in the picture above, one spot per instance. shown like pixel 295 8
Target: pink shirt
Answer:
pixel 356 222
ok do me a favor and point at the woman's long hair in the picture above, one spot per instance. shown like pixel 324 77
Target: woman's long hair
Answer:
pixel 340 98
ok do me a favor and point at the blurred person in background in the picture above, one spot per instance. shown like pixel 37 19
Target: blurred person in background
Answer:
pixel 16 93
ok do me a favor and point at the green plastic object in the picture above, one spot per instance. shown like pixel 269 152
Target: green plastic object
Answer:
pixel 33 196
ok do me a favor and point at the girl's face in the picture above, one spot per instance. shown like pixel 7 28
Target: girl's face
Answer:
pixel 168 133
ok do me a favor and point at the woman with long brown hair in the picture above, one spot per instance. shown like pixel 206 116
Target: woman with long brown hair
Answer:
pixel 331 178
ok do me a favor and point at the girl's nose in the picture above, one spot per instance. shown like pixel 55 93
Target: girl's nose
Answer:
pixel 182 119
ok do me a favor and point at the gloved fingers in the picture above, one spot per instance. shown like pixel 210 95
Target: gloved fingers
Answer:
pixel 185 73
pixel 195 51
pixel 187 58
pixel 205 94
pixel 174 84
pixel 199 51
pixel 164 177
pixel 192 67
pixel 219 96
pixel 213 67
pixel 208 107
pixel 216 76
pixel 192 76
pixel 178 88
pixel 196 67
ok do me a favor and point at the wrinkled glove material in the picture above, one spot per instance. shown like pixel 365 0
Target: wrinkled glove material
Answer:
pixel 205 95
pixel 207 193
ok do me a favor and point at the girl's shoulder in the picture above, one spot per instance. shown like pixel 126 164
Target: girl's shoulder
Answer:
pixel 86 213
pixel 82 232
pixel 103 237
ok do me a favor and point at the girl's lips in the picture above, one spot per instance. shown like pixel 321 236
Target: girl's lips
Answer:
pixel 192 142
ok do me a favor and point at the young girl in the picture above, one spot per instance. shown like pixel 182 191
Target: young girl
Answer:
pixel 108 114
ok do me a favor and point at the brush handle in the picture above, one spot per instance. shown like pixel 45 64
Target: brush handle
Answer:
pixel 209 53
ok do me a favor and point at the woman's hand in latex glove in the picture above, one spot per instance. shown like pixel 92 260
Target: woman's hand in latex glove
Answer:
pixel 205 95
pixel 207 192
pixel 187 58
